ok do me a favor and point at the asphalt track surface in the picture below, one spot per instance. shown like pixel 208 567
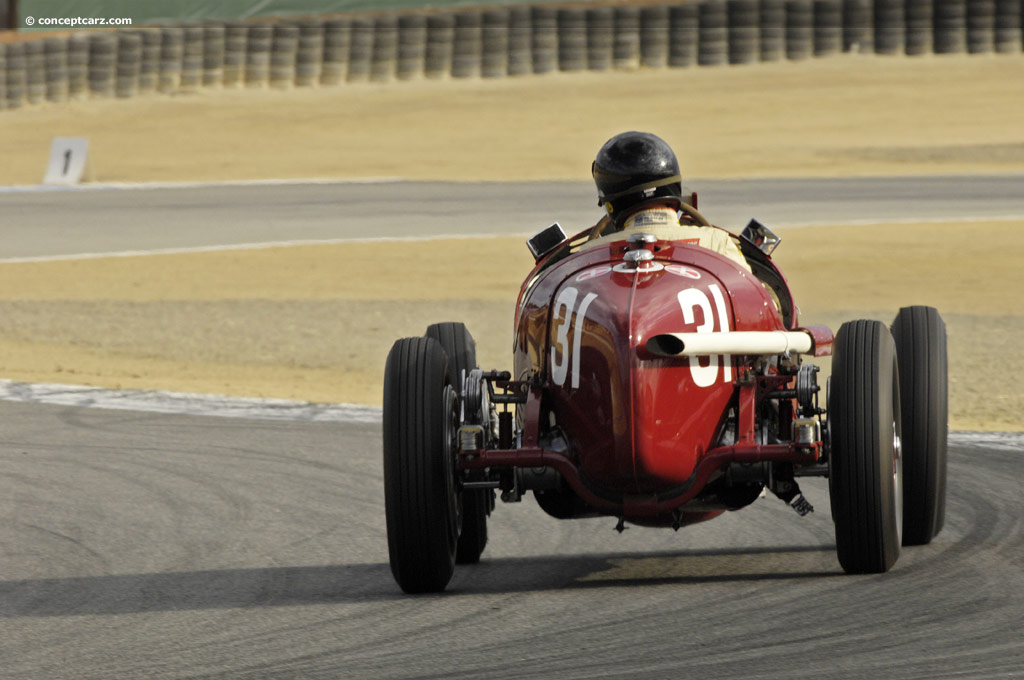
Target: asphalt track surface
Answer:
pixel 53 222
pixel 141 545
pixel 137 544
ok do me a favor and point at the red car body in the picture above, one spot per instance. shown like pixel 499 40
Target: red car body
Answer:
pixel 643 430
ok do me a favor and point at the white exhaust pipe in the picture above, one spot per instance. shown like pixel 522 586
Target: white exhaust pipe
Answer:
pixel 751 343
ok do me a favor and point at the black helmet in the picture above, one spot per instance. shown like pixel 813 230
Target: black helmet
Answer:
pixel 635 166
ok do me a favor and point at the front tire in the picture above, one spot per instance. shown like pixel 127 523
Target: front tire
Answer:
pixel 865 463
pixel 420 497
pixel 920 336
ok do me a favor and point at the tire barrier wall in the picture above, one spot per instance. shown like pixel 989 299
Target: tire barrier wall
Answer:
pixel 493 42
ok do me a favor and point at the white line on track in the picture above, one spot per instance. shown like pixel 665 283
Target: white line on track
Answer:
pixel 222 406
pixel 185 403
pixel 1001 441
pixel 249 246
pixel 265 245
pixel 901 220
pixel 108 186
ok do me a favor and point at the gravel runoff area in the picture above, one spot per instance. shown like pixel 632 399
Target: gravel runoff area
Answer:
pixel 287 322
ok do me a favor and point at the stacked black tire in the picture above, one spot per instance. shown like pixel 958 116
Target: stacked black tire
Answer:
pixel 385 48
pixel 920 27
pixel 14 71
pixel 309 55
pixel 713 36
pixel 520 41
pixel 149 68
pixel 412 46
pixel 283 48
pixel 236 39
pixel 55 50
pixel 544 44
pixel 683 35
pixel 772 38
pixel 950 26
pixel 1008 34
pixel 35 72
pixel 78 65
pixel 494 34
pixel 337 36
pixel 573 52
pixel 3 77
pixel 102 63
pixel 466 45
pixel 438 56
pixel 257 56
pixel 214 50
pixel 799 29
pixel 191 59
pixel 744 31
pixel 129 63
pixel 172 40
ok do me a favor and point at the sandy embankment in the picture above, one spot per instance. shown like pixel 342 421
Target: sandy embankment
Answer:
pixel 279 322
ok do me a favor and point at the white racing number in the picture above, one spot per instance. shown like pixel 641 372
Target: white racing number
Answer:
pixel 691 300
pixel 563 318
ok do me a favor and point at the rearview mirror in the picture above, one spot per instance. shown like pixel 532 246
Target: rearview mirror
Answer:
pixel 761 236
pixel 546 240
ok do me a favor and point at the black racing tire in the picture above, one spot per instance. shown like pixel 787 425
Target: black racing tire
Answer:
pixel 420 496
pixel 460 347
pixel 920 336
pixel 476 506
pixel 865 461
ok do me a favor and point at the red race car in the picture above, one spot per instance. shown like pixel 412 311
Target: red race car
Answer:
pixel 659 383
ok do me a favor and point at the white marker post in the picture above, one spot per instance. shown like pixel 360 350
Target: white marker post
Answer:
pixel 69 161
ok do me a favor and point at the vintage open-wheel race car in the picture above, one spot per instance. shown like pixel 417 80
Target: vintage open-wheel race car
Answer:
pixel 661 384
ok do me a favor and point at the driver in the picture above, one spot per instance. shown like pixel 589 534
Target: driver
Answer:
pixel 639 185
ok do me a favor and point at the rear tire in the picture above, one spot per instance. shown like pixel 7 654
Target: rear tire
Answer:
pixel 865 476
pixel 920 337
pixel 460 347
pixel 420 497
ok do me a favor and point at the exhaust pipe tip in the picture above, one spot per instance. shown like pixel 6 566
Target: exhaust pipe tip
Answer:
pixel 665 345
